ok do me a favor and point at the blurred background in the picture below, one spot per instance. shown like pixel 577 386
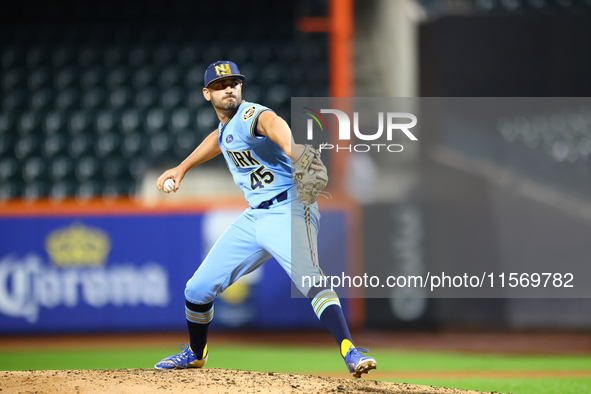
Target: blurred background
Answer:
pixel 99 97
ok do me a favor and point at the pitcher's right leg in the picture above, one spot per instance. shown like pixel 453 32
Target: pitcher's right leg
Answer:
pixel 234 254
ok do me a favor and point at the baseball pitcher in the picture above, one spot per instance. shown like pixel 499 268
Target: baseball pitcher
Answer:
pixel 281 181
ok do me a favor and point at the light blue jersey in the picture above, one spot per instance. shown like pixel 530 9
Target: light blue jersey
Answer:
pixel 258 165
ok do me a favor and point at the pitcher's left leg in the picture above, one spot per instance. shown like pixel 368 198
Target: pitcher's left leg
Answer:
pixel 293 242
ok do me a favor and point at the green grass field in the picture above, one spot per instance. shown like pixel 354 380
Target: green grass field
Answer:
pixel 393 366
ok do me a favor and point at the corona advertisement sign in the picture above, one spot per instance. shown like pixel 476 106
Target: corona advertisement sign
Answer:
pixel 116 273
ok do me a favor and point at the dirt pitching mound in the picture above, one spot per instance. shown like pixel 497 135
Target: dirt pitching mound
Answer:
pixel 210 381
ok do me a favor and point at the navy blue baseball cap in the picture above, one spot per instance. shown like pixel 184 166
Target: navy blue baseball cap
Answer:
pixel 220 70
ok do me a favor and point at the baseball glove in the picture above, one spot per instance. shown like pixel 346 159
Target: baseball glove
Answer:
pixel 309 182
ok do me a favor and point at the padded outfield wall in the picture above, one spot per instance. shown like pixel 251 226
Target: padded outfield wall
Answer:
pixel 124 268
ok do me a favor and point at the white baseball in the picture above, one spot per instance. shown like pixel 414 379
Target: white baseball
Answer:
pixel 169 185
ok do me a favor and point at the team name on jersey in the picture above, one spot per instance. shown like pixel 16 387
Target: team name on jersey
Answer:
pixel 261 176
pixel 243 158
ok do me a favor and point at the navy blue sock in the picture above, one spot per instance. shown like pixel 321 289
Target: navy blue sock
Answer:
pixel 333 319
pixel 198 319
pixel 327 307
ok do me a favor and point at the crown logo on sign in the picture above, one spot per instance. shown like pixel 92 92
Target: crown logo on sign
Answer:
pixel 77 246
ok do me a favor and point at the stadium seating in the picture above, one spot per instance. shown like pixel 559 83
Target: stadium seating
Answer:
pixel 86 107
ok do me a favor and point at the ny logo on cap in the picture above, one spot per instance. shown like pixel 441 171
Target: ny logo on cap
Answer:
pixel 222 69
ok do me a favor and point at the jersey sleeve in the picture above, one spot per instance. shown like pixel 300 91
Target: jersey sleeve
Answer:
pixel 255 121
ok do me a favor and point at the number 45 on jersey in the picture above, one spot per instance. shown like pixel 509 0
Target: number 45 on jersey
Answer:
pixel 259 177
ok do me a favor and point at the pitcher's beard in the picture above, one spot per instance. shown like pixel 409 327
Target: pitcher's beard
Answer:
pixel 226 105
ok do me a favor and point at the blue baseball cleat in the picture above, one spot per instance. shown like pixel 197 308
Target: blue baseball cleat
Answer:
pixel 357 363
pixel 185 359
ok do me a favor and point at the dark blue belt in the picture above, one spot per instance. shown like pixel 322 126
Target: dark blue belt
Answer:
pixel 278 198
